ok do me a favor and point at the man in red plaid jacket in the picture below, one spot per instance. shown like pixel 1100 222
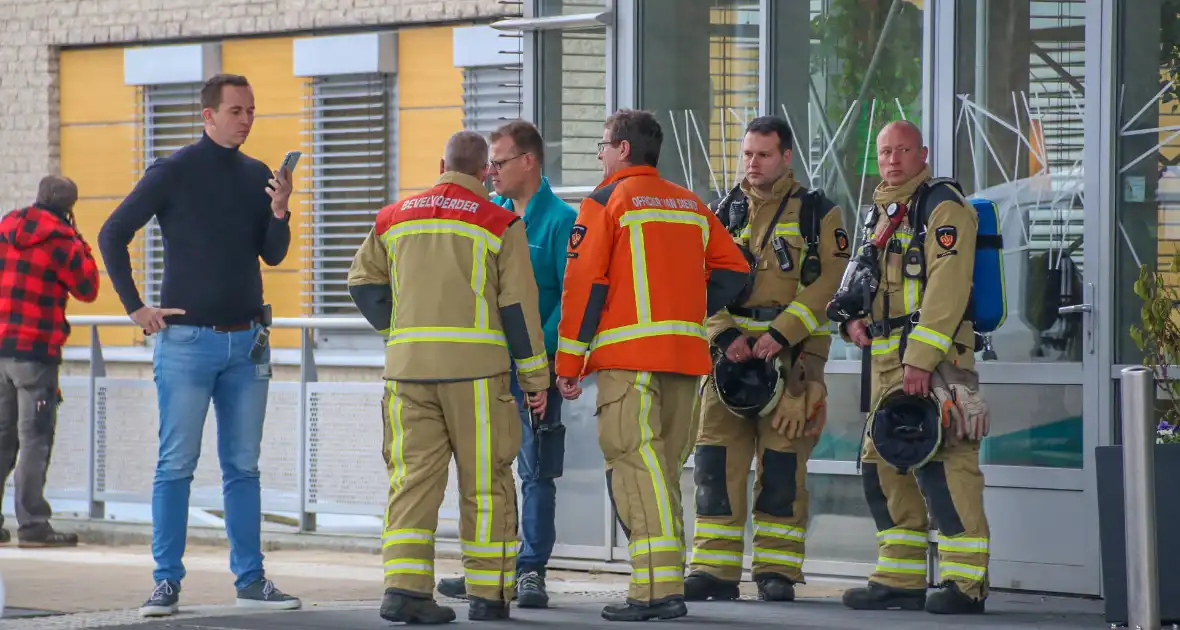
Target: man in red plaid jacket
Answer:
pixel 43 261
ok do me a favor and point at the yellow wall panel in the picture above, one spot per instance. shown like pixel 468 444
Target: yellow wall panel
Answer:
pixel 92 89
pixel 90 214
pixel 422 136
pixel 271 138
pixel 268 64
pixel 283 291
pixel 425 74
pixel 101 159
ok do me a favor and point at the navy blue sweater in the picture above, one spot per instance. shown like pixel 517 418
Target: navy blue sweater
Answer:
pixel 216 221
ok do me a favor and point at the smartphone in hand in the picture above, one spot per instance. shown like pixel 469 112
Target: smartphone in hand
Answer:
pixel 289 161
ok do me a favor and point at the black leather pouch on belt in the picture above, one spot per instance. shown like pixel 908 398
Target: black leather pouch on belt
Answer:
pixel 549 442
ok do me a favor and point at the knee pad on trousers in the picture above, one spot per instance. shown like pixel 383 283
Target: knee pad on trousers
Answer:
pixel 932 481
pixel 777 495
pixel 610 493
pixel 708 473
pixel 875 497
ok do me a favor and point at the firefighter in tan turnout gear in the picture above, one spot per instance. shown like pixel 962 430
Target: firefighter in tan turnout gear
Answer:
pixel 445 276
pixel 923 345
pixel 801 250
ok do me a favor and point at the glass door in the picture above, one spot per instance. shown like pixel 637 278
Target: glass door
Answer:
pixel 1023 86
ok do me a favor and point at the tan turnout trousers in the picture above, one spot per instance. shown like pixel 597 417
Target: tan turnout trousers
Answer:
pixel 425 423
pixel 646 422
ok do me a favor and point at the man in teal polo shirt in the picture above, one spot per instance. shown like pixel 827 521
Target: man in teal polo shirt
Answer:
pixel 517 153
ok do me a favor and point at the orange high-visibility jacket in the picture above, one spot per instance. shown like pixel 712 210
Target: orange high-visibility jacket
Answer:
pixel 647 263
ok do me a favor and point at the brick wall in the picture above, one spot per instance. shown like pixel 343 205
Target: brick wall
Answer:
pixel 32 32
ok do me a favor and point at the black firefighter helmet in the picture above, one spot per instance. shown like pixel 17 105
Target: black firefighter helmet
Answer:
pixel 906 430
pixel 750 389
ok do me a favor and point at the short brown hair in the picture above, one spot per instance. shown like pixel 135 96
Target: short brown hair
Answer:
pixel 524 135
pixel 466 152
pixel 56 192
pixel 211 91
pixel 641 130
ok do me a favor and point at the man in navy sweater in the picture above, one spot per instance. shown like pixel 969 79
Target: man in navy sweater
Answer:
pixel 219 211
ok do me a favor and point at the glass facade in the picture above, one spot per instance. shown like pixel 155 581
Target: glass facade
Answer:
pixel 1065 113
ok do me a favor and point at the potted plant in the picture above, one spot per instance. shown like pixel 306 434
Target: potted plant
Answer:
pixel 1158 336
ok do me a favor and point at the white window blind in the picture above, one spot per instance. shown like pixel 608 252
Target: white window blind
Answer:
pixel 493 93
pixel 171 120
pixel 353 151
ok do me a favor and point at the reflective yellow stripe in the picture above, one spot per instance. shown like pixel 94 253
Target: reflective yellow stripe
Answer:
pixel 490 578
pixel 634 221
pixel 397 456
pixel 786 532
pixel 775 556
pixel 569 346
pixel 441 226
pixel 533 363
pixel 407 537
pixel 804 314
pixel 651 461
pixel 479 255
pixel 903 537
pixel 657 574
pixel 958 569
pixel 716 558
pixel 489 550
pixel 653 329
pixel 751 324
pixel 787 229
pixel 745 233
pixel 483 463
pixel 897 565
pixel 719 532
pixel 931 337
pixel 657 544
pixel 963 545
pixel 887 345
pixel 412 566
pixel 452 334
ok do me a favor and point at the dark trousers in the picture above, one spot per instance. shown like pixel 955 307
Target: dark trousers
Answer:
pixel 28 420
pixel 538 509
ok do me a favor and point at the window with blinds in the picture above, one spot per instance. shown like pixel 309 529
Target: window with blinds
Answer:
pixel 353 151
pixel 171 119
pixel 491 96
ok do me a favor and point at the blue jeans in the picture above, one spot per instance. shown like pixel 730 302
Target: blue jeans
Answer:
pixel 193 366
pixel 538 510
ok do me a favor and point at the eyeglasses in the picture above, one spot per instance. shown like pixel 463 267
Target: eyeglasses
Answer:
pixel 496 165
pixel 604 145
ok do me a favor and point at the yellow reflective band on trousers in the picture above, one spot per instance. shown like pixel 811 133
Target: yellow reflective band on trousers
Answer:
pixel 427 424
pixel 963 560
pixel 533 363
pixel 651 461
pixel 901 558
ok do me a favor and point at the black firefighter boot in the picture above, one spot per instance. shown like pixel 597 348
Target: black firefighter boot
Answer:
pixel 668 608
pixel 949 600
pixel 880 597
pixel 700 586
pixel 486 609
pixel 414 609
pixel 773 587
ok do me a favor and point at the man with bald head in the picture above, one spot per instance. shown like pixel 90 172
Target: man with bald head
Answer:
pixel 922 341
pixel 445 277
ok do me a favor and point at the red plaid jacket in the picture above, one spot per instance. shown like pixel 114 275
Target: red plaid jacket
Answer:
pixel 43 260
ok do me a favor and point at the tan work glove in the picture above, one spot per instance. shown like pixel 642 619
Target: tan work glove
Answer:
pixel 802 410
pixel 965 414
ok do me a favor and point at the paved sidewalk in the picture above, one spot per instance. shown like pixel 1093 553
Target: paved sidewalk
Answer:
pixel 101 587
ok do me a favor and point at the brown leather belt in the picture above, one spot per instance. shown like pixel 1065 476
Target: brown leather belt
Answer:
pixel 233 327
